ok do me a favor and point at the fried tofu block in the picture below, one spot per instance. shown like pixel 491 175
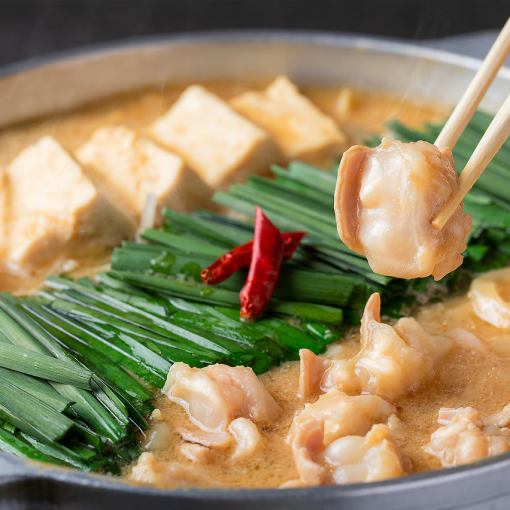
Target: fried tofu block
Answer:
pixel 215 141
pixel 54 211
pixel 131 167
pixel 298 127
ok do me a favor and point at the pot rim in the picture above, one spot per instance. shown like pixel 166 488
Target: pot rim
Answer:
pixel 312 37
pixel 26 469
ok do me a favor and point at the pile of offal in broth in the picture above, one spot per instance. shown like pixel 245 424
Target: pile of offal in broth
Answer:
pixel 397 397
pixel 392 399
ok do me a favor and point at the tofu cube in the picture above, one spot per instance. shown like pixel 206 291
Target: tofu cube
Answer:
pixel 131 167
pixel 215 141
pixel 298 127
pixel 54 211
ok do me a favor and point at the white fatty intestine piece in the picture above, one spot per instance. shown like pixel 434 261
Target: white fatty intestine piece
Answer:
pixel 392 360
pixel 311 372
pixel 152 471
pixel 386 200
pixel 221 440
pixel 332 416
pixel 318 374
pixel 433 347
pixel 335 350
pixel 159 436
pixel 500 419
pixel 215 395
pixel 487 302
pixel 307 442
pixel 196 453
pixel 156 415
pixel 341 375
pixel 340 414
pixel 464 437
pixel 247 437
pixel 299 128
pixel 369 458
pixel 395 424
pixel 466 340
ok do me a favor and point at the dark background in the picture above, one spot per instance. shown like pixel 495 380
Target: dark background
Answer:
pixel 34 27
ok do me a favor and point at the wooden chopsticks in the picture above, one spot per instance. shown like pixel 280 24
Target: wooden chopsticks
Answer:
pixel 496 134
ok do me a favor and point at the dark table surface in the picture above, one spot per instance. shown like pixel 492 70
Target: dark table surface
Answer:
pixel 34 27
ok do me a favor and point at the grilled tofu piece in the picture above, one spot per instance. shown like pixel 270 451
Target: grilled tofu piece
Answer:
pixel 215 141
pixel 54 212
pixel 130 167
pixel 298 127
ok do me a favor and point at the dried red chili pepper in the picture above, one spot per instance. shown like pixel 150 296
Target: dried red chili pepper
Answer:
pixel 240 257
pixel 267 257
pixel 291 242
pixel 228 264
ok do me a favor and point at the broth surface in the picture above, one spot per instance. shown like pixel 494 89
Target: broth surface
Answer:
pixel 359 114
pixel 463 378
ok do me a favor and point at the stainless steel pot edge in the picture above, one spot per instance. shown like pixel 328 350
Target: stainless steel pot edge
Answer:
pixel 382 44
pixel 28 89
pixel 430 484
